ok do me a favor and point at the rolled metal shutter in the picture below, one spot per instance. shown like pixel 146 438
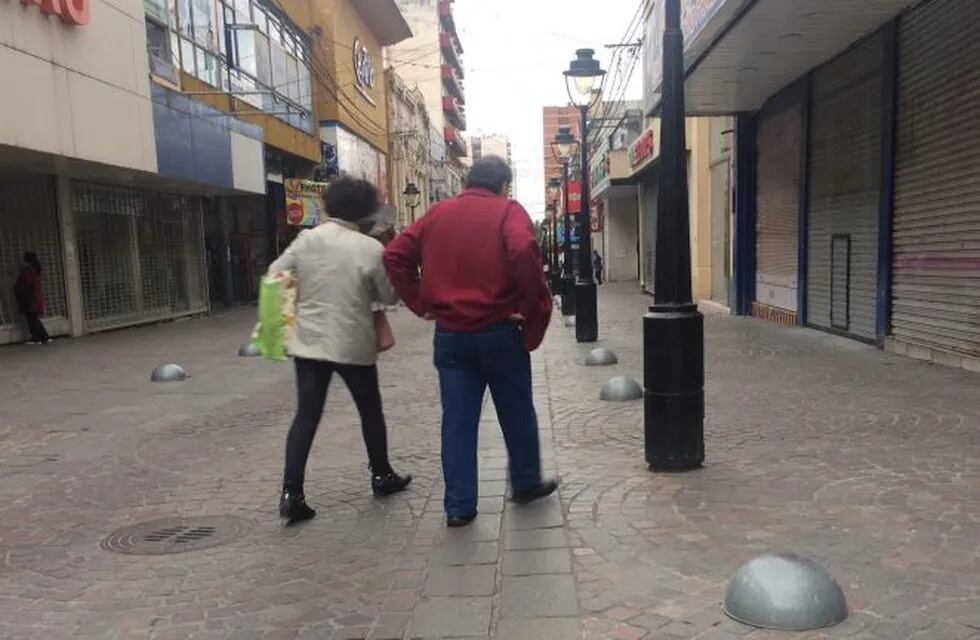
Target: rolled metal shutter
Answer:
pixel 845 184
pixel 779 140
pixel 651 189
pixel 140 254
pixel 936 258
pixel 29 222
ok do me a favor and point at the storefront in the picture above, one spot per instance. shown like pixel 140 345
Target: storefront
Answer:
pixel 845 170
pixel 779 144
pixel 936 262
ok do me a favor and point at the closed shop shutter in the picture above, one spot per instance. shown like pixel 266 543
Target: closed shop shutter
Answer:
pixel 936 259
pixel 650 188
pixel 141 255
pixel 779 141
pixel 845 179
pixel 29 222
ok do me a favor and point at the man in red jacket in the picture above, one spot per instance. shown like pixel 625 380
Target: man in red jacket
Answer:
pixel 473 266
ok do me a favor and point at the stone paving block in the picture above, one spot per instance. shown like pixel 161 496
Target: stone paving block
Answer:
pixel 451 617
pixel 466 580
pixel 465 552
pixel 539 629
pixel 486 528
pixel 539 515
pixel 517 539
pixel 538 597
pixel 536 561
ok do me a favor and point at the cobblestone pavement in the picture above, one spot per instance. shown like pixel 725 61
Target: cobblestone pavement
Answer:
pixel 867 462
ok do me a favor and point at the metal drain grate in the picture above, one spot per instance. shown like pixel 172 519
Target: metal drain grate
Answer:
pixel 176 535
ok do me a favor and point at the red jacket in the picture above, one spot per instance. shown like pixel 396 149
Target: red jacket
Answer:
pixel 29 292
pixel 472 262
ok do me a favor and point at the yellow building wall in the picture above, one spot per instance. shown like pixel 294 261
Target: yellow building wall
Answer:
pixel 699 183
pixel 338 96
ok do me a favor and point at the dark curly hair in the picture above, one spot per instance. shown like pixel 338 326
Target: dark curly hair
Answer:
pixel 351 200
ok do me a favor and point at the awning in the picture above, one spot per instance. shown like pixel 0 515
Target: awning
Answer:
pixel 750 49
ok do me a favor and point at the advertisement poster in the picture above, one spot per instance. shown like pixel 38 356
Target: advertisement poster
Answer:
pixel 304 204
pixel 574 197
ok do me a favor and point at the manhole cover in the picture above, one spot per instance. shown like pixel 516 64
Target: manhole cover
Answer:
pixel 176 535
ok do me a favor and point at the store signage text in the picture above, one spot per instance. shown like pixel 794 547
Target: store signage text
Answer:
pixel 363 67
pixel 642 149
pixel 72 12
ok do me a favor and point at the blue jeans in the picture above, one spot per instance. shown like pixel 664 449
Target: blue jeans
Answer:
pixel 468 363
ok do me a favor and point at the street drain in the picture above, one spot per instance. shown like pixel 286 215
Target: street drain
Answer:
pixel 176 535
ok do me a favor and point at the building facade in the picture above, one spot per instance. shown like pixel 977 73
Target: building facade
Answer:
pixel 553 118
pixel 856 212
pixel 410 148
pixel 432 60
pixel 493 144
pixel 91 178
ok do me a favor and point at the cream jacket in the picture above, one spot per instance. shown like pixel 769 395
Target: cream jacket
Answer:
pixel 341 283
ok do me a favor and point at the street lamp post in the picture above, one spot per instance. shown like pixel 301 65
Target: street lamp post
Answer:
pixel 673 329
pixel 583 79
pixel 554 185
pixel 563 148
pixel 412 197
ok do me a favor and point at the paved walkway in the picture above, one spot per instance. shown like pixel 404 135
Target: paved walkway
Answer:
pixel 865 461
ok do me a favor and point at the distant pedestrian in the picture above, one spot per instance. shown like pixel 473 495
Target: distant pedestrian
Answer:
pixel 597 265
pixel 341 284
pixel 29 293
pixel 472 264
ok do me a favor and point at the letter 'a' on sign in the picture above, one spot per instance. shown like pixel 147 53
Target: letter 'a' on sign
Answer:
pixel 73 12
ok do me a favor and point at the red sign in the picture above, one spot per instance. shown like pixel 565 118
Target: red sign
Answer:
pixel 72 12
pixel 595 216
pixel 642 148
pixel 574 196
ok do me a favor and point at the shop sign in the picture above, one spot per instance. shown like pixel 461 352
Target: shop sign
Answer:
pixel 574 197
pixel 304 202
pixel 72 12
pixel 643 148
pixel 595 216
pixel 363 67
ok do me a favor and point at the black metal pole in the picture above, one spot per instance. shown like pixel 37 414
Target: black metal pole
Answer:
pixel 586 312
pixel 553 250
pixel 673 329
pixel 567 274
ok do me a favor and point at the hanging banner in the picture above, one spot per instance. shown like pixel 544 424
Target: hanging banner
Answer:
pixel 304 202
pixel 574 197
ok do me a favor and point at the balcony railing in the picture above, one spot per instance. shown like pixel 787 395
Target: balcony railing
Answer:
pixel 457 115
pixel 455 141
pixel 451 50
pixel 446 15
pixel 452 83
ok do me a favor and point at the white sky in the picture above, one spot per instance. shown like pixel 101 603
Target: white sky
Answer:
pixel 514 55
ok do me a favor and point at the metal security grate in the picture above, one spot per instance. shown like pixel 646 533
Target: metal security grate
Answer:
pixel 141 255
pixel 29 222
pixel 176 535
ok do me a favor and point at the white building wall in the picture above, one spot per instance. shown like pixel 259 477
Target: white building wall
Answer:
pixel 78 91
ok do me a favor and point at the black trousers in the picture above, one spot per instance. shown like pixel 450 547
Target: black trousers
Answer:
pixel 35 326
pixel 312 382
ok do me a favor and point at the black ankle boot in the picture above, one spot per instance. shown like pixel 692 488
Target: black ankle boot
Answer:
pixel 389 483
pixel 293 507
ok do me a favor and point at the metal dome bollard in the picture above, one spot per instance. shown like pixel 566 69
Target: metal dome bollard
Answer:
pixel 249 350
pixel 785 592
pixel 621 389
pixel 601 357
pixel 168 373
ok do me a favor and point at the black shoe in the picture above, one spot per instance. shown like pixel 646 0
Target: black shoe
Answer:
pixel 459 521
pixel 389 483
pixel 526 496
pixel 293 507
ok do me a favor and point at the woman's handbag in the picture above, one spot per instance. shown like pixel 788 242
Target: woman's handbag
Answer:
pixel 386 337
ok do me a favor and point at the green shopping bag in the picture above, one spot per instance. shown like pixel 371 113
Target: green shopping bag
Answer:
pixel 277 315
